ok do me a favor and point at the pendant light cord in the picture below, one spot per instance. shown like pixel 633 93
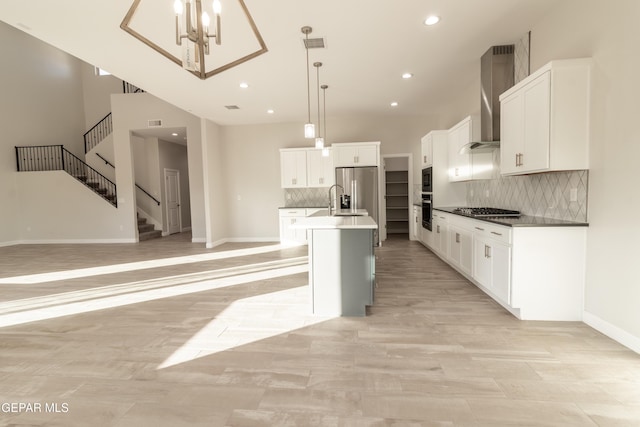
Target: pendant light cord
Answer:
pixel 308 83
pixel 318 84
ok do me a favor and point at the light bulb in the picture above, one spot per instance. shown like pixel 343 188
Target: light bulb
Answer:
pixel 217 7
pixel 319 143
pixel 309 130
pixel 205 20
pixel 178 7
pixel 325 152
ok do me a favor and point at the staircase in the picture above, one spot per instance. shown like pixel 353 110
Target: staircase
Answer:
pixel 55 157
pixel 147 231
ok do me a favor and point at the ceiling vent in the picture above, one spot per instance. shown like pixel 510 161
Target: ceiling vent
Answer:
pixel 314 43
pixel 231 107
pixel 154 123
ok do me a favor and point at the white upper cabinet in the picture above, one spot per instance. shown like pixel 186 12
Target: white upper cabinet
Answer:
pixel 467 166
pixel 320 171
pixel 356 154
pixel 427 150
pixel 293 168
pixel 544 122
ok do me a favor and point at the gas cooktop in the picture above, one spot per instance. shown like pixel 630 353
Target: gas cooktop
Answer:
pixel 486 212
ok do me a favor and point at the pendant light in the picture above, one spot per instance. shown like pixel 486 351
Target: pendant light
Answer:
pixel 309 128
pixel 319 138
pixel 325 150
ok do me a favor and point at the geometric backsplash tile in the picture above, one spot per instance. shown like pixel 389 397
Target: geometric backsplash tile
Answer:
pixel 542 194
pixel 305 197
pixel 521 57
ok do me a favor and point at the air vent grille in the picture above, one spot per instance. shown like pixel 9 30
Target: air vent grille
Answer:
pixel 317 43
pixel 507 49
pixel 231 107
pixel 154 123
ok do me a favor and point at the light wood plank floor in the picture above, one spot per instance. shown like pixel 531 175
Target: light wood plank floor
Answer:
pixel 167 333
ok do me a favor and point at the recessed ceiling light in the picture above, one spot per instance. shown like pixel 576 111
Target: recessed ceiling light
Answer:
pixel 270 111
pixel 432 20
pixel 174 134
pixel 407 75
pixel 394 104
pixel 244 85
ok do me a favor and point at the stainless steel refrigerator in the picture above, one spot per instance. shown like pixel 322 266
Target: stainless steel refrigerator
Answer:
pixel 361 184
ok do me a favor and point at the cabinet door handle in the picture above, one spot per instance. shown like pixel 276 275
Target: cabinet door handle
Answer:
pixel 424 159
pixel 457 237
pixel 294 181
pixel 496 233
pixel 487 249
pixel 438 229
pixel 478 228
pixel 517 156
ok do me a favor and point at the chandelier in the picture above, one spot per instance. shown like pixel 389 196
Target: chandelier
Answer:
pixel 195 32
pixel 198 36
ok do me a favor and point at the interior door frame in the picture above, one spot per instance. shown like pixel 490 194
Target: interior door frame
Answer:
pixel 409 157
pixel 166 197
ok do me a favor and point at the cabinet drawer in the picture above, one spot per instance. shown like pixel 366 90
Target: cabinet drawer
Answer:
pixel 491 231
pixel 292 212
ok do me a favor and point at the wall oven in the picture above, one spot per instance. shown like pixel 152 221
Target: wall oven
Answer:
pixel 426 210
pixel 427 183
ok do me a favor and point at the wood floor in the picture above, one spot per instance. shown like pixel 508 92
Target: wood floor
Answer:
pixel 167 333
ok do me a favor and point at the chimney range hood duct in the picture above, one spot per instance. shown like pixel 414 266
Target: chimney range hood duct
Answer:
pixel 496 76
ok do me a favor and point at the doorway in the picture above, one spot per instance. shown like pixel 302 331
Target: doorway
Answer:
pixel 398 186
pixel 172 198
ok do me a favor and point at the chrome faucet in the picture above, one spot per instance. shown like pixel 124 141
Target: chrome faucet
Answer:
pixel 331 188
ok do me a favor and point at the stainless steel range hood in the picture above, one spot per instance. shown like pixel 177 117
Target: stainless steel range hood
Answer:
pixel 496 76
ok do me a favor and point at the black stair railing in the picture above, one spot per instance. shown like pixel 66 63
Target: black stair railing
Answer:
pixel 107 162
pixel 55 157
pixel 129 88
pixel 97 133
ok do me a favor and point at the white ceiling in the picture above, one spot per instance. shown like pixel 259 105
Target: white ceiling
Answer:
pixel 369 44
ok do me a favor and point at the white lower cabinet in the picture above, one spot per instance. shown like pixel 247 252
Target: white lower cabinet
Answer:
pixel 289 235
pixel 460 238
pixel 536 272
pixel 416 223
pixel 492 260
pixel 439 229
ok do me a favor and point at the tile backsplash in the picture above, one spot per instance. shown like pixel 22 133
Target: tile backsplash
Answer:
pixel 306 197
pixel 544 194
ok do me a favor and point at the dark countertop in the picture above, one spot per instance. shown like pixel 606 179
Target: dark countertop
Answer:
pixel 521 221
pixel 303 207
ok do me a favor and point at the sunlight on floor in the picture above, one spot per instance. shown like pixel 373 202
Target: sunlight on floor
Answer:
pixel 248 320
pixel 140 265
pixel 65 304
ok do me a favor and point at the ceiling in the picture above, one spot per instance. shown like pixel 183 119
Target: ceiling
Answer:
pixel 368 45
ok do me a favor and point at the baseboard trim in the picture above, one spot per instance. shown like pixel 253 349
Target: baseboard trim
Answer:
pixel 252 239
pixel 219 242
pixel 74 241
pixel 10 243
pixel 612 331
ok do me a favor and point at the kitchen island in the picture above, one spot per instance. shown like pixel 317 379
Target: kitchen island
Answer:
pixel 341 263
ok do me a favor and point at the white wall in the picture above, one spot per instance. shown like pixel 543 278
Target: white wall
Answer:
pixel 217 179
pixel 608 32
pixel 56 208
pixel 97 92
pixel 40 104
